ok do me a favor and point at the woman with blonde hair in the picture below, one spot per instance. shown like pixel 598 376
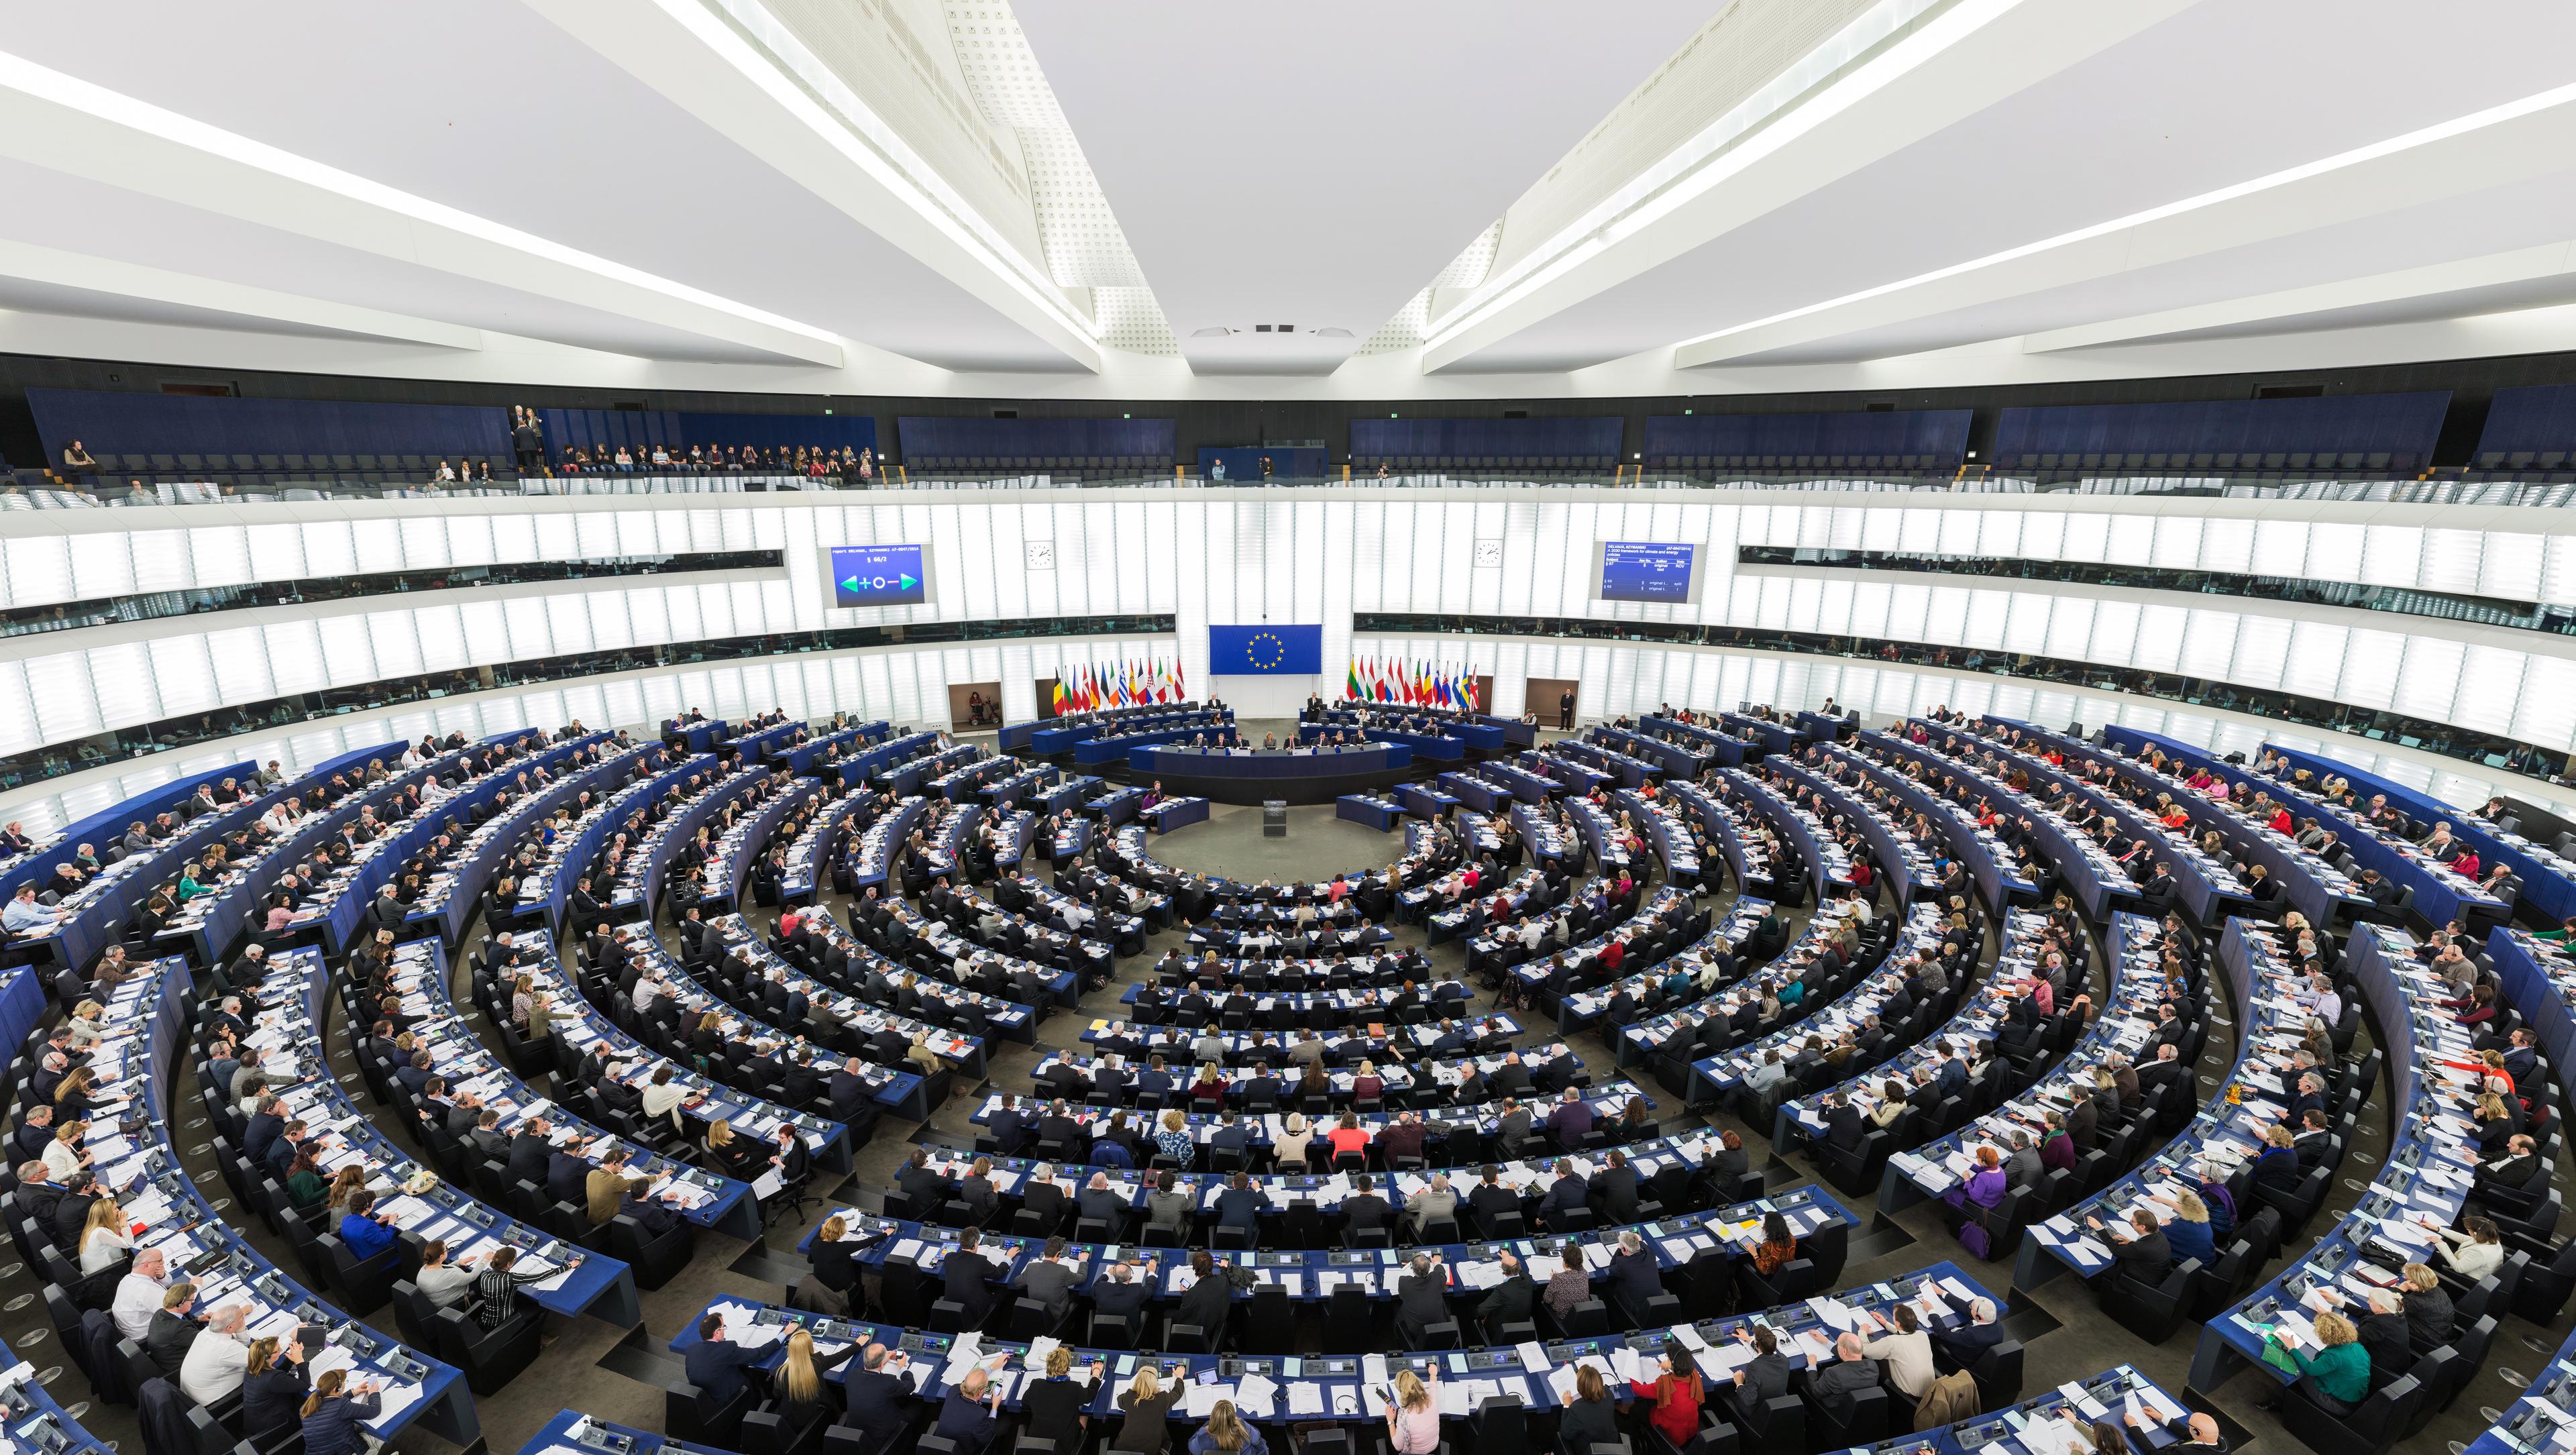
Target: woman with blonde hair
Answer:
pixel 1413 1420
pixel 800 1381
pixel 1173 1139
pixel 1147 1402
pixel 1225 1433
pixel 1366 1084
pixel 64 1156
pixel 1053 1407
pixel 86 1025
pixel 2188 1231
pixel 2337 1376
pixel 71 1099
pixel 273 1388
pixel 1288 1149
pixel 104 1243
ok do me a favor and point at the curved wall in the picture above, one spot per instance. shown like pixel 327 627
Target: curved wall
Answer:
pixel 1241 556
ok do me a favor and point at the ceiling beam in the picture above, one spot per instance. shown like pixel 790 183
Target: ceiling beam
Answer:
pixel 2521 265
pixel 1955 64
pixel 697 62
pixel 37 264
pixel 66 124
pixel 2492 148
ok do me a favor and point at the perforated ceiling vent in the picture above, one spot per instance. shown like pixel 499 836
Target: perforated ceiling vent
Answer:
pixel 1084 246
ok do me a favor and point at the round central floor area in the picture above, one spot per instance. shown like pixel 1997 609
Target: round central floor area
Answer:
pixel 1318 845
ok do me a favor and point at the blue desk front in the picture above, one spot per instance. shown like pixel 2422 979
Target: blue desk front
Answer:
pixel 583 1435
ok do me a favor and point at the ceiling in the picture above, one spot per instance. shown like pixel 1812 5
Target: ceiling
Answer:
pixel 1441 199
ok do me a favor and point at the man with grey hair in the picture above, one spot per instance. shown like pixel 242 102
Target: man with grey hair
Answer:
pixel 218 1361
pixel 1434 1203
pixel 1970 1342
pixel 1421 1299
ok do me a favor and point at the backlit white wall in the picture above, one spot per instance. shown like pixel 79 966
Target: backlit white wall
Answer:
pixel 1313 557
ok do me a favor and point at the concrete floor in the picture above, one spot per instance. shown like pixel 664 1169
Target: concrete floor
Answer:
pixel 616 1373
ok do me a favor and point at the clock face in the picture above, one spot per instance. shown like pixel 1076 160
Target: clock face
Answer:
pixel 1041 555
pixel 1489 553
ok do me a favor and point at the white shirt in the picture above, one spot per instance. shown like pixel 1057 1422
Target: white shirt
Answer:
pixel 137 1299
pixel 104 1248
pixel 216 1365
pixel 1909 1360
pixel 61 1162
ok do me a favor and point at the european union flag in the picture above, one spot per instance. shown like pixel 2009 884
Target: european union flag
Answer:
pixel 1265 651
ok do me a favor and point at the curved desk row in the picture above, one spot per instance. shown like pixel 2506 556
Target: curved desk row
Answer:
pixel 148 1019
pixel 1250 776
pixel 1999 879
pixel 289 1021
pixel 2228 1129
pixel 457 883
pixel 2432 1154
pixel 456 1053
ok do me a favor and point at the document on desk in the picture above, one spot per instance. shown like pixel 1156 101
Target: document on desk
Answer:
pixel 395 1398
pixel 1305 1397
pixel 1720 1360
pixel 1255 1397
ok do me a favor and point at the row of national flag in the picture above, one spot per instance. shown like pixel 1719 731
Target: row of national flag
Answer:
pixel 1095 685
pixel 1415 684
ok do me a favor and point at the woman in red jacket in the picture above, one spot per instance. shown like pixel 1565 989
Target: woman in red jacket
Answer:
pixel 1676 1392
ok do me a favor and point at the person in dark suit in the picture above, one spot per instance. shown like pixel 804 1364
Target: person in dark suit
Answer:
pixel 1123 1292
pixel 1208 1302
pixel 1634 1279
pixel 1568 1194
pixel 1421 1299
pixel 1834 1386
pixel 2143 1254
pixel 1241 1204
pixel 968 1276
pixel 878 1395
pixel 1615 1188
pixel 1844 1125
pixel 1008 1127
pixel 1490 1200
pixel 1971 1341
pixel 849 1090
pixel 922 1183
pixel 716 1364
pixel 1766 1376
pixel 568 1174
pixel 1510 1301
pixel 530 1153
pixel 2196 1433
pixel 1367 1212
pixel 173 1329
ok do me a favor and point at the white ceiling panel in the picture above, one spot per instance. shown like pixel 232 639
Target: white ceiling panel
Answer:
pixel 2199 102
pixel 1315 164
pixel 484 105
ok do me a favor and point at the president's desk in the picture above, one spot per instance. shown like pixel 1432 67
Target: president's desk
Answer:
pixel 1255 776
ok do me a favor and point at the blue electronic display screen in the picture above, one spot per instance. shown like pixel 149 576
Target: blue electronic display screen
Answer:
pixel 878 576
pixel 1643 571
